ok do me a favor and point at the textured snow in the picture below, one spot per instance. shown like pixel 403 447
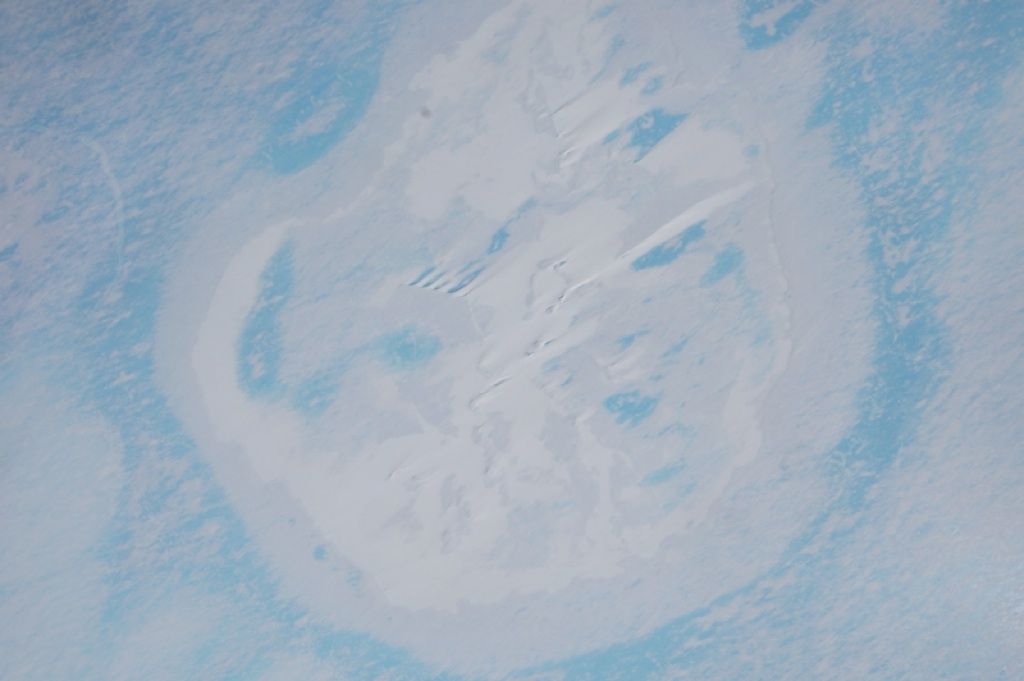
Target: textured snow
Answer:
pixel 540 340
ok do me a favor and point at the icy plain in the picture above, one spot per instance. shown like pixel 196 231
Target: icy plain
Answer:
pixel 528 340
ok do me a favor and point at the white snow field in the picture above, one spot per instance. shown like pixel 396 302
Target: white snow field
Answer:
pixel 533 340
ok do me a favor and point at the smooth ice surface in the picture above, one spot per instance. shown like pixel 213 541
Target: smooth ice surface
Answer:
pixel 512 340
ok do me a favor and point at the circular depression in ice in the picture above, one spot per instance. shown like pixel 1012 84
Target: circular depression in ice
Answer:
pixel 524 382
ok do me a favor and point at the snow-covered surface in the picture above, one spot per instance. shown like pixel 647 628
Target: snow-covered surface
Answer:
pixel 542 340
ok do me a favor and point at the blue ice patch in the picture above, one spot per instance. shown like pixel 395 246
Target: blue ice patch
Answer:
pixel 407 349
pixel 726 262
pixel 260 344
pixel 315 394
pixel 666 252
pixel 648 130
pixel 759 36
pixel 633 73
pixel 297 136
pixel 662 475
pixel 676 347
pixel 500 237
pixel 498 241
pixel 628 340
pixel 652 85
pixel 422 276
pixel 630 408
pixel 466 280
